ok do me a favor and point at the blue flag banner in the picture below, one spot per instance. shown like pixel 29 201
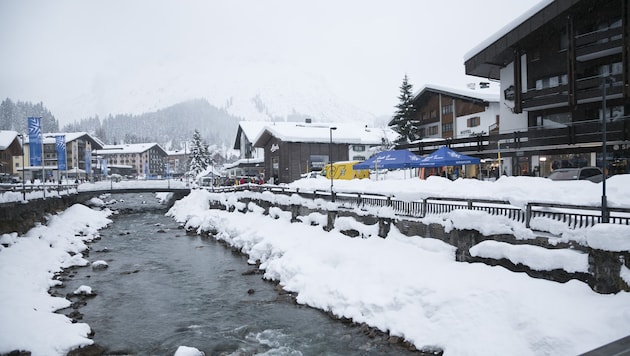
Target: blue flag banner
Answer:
pixel 60 144
pixel 104 167
pixel 88 162
pixel 35 141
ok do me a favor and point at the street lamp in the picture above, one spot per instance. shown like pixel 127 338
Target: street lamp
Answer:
pixel 23 173
pixel 605 80
pixel 330 161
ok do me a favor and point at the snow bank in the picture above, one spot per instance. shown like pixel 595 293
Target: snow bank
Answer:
pixel 412 287
pixel 28 321
pixel 609 237
pixel 535 257
pixel 516 190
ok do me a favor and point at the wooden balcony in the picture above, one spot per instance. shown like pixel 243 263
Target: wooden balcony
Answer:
pixel 599 44
pixel 535 139
pixel 545 98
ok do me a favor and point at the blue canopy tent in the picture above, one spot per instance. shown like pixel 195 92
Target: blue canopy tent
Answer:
pixel 444 156
pixel 390 160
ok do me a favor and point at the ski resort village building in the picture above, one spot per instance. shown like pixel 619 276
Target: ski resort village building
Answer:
pixel 292 149
pixel 562 68
pixel 140 159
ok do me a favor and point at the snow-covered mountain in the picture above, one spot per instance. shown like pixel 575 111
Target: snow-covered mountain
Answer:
pixel 265 92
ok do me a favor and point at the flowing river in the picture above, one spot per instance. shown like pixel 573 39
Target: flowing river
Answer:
pixel 164 288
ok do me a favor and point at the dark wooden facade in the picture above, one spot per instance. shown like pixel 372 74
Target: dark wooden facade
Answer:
pixel 286 161
pixel 438 110
pixel 566 59
pixel 6 156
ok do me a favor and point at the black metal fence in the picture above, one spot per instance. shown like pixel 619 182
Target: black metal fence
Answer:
pixel 574 216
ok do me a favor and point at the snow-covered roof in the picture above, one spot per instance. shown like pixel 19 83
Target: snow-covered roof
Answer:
pixel 244 161
pixel 6 139
pixel 489 96
pixel 129 148
pixel 253 128
pixel 49 138
pixel 321 133
pixel 506 29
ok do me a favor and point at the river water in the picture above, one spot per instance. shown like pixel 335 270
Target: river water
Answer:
pixel 164 288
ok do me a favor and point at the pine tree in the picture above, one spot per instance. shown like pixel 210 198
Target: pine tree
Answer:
pixel 200 158
pixel 404 120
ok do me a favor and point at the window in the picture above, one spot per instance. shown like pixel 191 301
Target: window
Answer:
pixel 433 114
pixel 552 81
pixel 447 109
pixel 358 158
pixel 473 121
pixel 447 127
pixel 423 116
pixel 433 130
pixel 358 148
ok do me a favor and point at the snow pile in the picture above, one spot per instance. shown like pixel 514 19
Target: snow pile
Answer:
pixel 516 190
pixel 609 237
pixel 100 264
pixel 188 351
pixel 413 288
pixel 84 290
pixel 534 257
pixel 28 267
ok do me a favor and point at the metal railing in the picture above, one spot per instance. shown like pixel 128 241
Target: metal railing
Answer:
pixel 574 216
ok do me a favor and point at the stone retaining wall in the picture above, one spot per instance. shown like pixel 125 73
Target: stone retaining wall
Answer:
pixel 20 217
pixel 604 266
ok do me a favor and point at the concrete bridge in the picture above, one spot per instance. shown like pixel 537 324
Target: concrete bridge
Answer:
pixel 22 206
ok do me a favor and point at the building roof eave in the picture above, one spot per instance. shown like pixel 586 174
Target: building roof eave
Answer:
pixel 486 59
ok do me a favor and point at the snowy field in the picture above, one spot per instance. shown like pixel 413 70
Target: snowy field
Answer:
pixel 410 287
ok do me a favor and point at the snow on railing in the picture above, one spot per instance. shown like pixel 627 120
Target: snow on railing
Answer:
pixel 574 216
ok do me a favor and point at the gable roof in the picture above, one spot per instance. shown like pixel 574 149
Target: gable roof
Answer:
pixel 251 129
pixel 487 58
pixel 471 95
pixel 49 138
pixel 468 95
pixel 345 133
pixel 130 148
pixel 7 138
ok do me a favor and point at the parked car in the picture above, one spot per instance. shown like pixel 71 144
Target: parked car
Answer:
pixel 7 178
pixel 593 174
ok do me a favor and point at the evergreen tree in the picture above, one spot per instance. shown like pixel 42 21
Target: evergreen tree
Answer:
pixel 200 158
pixel 404 120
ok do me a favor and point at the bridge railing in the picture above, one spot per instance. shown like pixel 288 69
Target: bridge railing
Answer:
pixel 574 216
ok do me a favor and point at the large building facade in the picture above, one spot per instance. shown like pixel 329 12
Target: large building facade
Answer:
pixel 562 68
pixel 142 159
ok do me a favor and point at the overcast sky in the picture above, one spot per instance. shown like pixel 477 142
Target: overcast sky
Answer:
pixel 61 51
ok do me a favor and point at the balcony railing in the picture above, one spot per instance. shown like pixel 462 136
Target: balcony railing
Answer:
pixel 598 44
